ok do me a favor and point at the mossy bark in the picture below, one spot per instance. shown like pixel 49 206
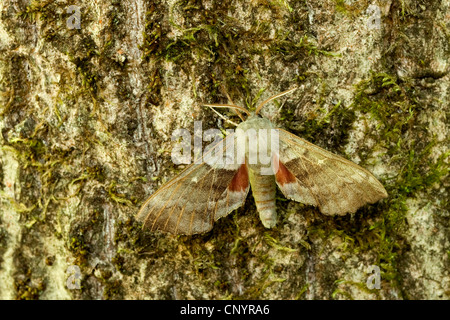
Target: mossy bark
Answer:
pixel 86 122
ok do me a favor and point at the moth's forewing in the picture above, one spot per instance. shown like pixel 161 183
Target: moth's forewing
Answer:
pixel 323 179
pixel 198 196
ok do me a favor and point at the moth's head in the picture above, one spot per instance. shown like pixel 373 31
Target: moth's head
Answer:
pixel 249 114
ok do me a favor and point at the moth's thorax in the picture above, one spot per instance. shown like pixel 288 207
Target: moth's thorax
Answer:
pixel 261 141
pixel 255 122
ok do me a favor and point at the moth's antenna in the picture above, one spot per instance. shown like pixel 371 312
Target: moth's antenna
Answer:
pixel 272 98
pixel 229 106
pixel 236 111
pixel 281 107
pixel 227 120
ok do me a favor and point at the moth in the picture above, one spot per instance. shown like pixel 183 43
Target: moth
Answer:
pixel 212 187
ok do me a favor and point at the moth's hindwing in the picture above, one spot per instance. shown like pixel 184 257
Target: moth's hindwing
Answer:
pixel 204 192
pixel 314 176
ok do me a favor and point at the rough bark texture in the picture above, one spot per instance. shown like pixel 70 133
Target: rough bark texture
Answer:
pixel 86 122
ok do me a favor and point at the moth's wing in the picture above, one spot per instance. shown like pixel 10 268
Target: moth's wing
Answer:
pixel 204 192
pixel 314 176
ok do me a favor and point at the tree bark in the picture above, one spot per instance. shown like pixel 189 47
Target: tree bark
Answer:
pixel 86 121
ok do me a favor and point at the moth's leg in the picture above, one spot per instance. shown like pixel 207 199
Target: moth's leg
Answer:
pixel 227 120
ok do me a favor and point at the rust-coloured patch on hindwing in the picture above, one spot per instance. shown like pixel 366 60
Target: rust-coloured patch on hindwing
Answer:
pixel 240 180
pixel 283 174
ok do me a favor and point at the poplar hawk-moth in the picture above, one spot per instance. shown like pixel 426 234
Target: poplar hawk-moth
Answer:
pixel 208 190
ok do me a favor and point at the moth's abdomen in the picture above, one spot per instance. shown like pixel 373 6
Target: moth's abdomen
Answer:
pixel 263 189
